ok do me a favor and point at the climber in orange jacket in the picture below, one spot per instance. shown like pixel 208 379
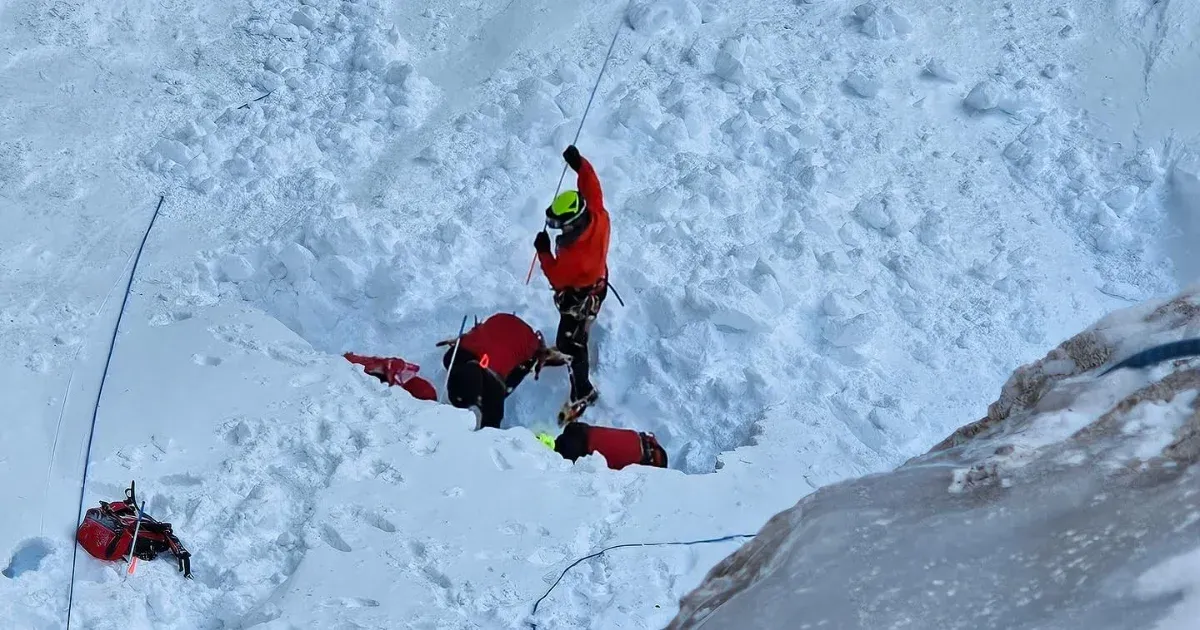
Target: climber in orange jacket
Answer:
pixel 578 273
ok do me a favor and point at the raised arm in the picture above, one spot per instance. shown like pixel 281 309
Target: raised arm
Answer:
pixel 589 185
pixel 587 182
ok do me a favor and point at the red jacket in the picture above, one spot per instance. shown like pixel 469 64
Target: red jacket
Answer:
pixel 584 262
pixel 506 340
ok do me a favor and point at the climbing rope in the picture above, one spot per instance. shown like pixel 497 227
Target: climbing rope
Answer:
pixel 588 108
pixel 87 454
pixel 1158 354
pixel 684 543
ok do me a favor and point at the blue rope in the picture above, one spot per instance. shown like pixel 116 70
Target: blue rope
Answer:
pixel 1158 354
pixel 99 393
pixel 683 543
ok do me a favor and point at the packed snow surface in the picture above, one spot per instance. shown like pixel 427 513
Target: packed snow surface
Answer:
pixel 837 228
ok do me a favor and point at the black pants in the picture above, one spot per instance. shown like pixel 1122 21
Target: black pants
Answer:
pixel 577 310
pixel 492 392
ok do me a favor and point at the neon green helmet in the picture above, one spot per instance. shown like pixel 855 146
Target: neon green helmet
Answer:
pixel 547 439
pixel 565 210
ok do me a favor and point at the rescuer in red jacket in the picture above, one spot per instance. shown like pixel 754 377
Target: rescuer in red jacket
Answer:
pixel 620 447
pixel 578 273
pixel 492 360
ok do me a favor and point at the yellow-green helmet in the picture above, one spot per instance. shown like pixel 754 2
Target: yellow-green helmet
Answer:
pixel 566 209
pixel 546 439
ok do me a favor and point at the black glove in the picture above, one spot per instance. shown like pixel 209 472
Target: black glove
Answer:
pixel 574 160
pixel 542 242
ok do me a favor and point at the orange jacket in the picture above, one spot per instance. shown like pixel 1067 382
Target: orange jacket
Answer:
pixel 585 261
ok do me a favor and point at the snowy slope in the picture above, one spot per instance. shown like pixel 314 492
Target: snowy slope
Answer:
pixel 836 230
pixel 775 229
pixel 1072 504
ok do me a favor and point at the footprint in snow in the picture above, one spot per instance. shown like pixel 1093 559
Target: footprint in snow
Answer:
pixel 304 380
pixel 546 556
pixel 513 528
pixel 424 443
pixel 351 602
pixel 334 539
pixel 182 479
pixel 376 520
pixel 500 461
pixel 201 359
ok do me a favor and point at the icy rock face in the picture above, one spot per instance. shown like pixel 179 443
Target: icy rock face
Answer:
pixel 1072 503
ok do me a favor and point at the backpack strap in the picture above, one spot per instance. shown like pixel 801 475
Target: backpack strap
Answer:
pixel 182 555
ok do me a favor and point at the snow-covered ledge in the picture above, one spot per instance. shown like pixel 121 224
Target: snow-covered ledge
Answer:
pixel 1073 503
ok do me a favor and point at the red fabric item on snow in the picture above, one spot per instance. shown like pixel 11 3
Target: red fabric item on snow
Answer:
pixel 420 388
pixel 505 339
pixel 620 447
pixel 584 262
pixel 394 371
pixel 104 535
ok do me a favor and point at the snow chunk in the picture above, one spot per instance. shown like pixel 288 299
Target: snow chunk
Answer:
pixel 340 276
pixel 863 85
pixel 790 98
pixel 298 262
pixel 236 268
pixel 835 305
pixel 762 105
pixel 864 11
pixel 651 16
pixel 373 52
pixel 285 31
pixel 887 23
pixel 570 73
pixel 851 332
pixel 305 17
pixel 873 213
pixel 937 68
pixel 171 150
pixel 397 73
pixel 901 23
pixel 885 212
pixel 878 27
pixel 1121 198
pixel 640 110
pixel 986 95
pixel 731 61
pixel 711 11
pixel 736 319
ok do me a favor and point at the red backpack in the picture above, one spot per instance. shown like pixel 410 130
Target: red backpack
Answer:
pixel 107 532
